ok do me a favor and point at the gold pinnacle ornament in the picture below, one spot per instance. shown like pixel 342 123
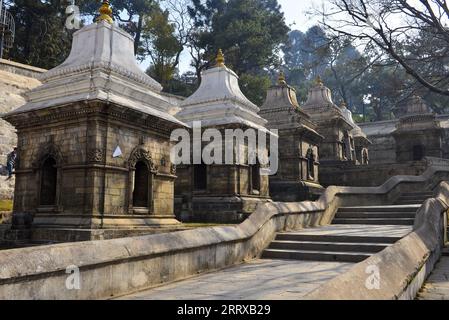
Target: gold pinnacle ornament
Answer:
pixel 281 79
pixel 220 60
pixel 105 13
pixel 318 81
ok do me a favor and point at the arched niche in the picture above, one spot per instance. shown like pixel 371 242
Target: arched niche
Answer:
pixel 141 182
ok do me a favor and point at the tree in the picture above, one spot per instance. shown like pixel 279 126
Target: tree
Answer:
pixel 41 37
pixel 250 32
pixel 336 60
pixel 161 46
pixel 130 15
pixel 412 33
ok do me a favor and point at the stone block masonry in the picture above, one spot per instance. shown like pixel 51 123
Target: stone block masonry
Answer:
pixel 121 266
pixel 15 80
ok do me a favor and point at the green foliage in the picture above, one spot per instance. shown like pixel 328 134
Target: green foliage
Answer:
pixel 161 45
pixel 41 37
pixel 250 32
pixel 255 87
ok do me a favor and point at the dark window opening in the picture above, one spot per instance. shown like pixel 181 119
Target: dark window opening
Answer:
pixel 255 177
pixel 48 182
pixel 418 153
pixel 200 177
pixel 311 159
pixel 141 185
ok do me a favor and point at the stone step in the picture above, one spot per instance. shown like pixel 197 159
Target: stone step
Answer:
pixel 374 221
pixel 420 197
pixel 414 202
pixel 426 193
pixel 328 246
pixel 380 215
pixel 398 208
pixel 445 252
pixel 335 238
pixel 354 257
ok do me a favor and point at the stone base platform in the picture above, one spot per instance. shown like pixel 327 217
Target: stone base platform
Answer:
pixel 216 209
pixel 295 191
pixel 68 221
pixel 36 236
pixel 45 228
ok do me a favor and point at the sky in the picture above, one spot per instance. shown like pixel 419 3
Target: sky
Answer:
pixel 296 16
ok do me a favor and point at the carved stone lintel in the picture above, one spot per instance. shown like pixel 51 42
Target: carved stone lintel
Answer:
pixel 141 154
pixel 46 151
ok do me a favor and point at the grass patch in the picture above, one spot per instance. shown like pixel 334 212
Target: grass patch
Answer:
pixel 6 205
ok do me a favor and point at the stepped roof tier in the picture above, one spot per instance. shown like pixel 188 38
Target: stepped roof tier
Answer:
pixel 418 116
pixel 282 111
pixel 357 132
pixel 320 106
pixel 416 105
pixel 219 101
pixel 101 66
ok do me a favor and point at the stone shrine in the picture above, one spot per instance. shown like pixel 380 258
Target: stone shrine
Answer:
pixel 298 175
pixel 94 143
pixel 332 124
pixel 418 133
pixel 361 141
pixel 220 192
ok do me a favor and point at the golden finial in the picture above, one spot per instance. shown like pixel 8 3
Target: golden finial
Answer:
pixel 105 13
pixel 220 60
pixel 343 105
pixel 281 79
pixel 319 81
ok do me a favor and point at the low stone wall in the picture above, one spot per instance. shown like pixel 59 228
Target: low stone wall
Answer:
pixel 120 266
pixel 20 69
pixel 403 267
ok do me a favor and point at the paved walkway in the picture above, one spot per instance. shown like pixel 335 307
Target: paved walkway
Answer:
pixel 258 280
pixel 268 279
pixel 437 286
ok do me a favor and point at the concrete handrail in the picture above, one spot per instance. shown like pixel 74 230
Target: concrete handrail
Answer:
pixel 403 267
pixel 120 266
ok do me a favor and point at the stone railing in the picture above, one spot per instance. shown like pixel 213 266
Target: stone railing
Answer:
pixel 121 266
pixel 20 69
pixel 402 268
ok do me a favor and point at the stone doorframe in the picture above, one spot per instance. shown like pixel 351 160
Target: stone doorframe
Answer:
pixel 140 154
pixel 49 150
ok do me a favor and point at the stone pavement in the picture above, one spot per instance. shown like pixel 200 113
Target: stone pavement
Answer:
pixel 437 286
pixel 257 280
pixel 269 279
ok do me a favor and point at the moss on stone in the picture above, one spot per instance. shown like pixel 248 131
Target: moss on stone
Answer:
pixel 6 205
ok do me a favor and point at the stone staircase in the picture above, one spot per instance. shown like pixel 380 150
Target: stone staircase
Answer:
pixel 414 197
pixel 403 215
pixel 355 235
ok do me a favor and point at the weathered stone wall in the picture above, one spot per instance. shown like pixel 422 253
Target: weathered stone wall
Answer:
pixel 121 266
pixel 94 188
pixel 403 267
pixel 383 150
pixel 15 79
pixel 229 196
pixel 371 175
